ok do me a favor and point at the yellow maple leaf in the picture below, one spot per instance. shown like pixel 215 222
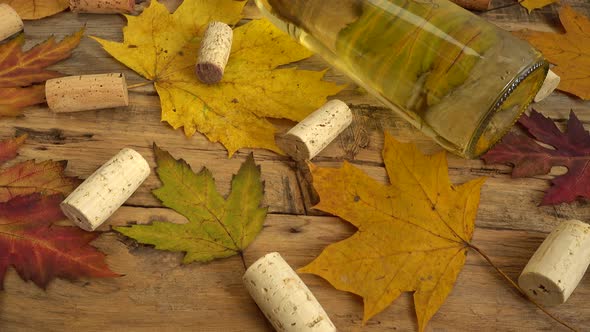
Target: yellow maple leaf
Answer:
pixel 162 47
pixel 530 5
pixel 36 9
pixel 413 234
pixel 570 51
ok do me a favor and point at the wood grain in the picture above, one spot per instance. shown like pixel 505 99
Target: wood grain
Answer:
pixel 156 293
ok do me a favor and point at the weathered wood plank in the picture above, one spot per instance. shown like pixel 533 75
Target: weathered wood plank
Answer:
pixel 157 293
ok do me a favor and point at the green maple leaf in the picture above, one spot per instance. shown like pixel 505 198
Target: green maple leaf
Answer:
pixel 217 227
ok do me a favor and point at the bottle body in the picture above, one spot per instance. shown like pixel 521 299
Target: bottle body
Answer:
pixel 456 77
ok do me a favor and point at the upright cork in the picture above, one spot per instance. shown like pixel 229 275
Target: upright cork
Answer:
pixel 310 136
pixel 558 265
pixel 10 22
pixel 283 298
pixel 214 52
pixel 103 192
pixel 102 6
pixel 87 92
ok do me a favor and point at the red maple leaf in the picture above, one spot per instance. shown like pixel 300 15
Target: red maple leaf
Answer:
pixel 9 147
pixel 46 177
pixel 41 251
pixel 570 149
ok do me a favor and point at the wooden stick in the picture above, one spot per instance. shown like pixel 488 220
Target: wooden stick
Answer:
pixel 558 265
pixel 549 85
pixel 283 297
pixel 310 136
pixel 88 92
pixel 479 5
pixel 214 52
pixel 102 6
pixel 10 22
pixel 103 192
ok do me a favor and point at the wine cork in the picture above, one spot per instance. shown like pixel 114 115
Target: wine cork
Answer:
pixel 214 52
pixel 102 6
pixel 549 85
pixel 283 297
pixel 558 265
pixel 310 136
pixel 88 92
pixel 103 192
pixel 10 22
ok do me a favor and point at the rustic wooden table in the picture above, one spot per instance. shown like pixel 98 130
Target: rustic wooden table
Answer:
pixel 157 293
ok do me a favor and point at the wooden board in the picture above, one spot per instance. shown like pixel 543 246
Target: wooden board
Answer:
pixel 156 293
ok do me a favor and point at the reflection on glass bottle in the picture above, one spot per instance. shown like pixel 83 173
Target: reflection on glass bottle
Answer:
pixel 456 77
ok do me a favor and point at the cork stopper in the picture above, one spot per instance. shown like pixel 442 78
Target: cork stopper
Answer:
pixel 310 136
pixel 283 298
pixel 549 85
pixel 87 92
pixel 102 6
pixel 214 52
pixel 558 265
pixel 10 22
pixel 103 192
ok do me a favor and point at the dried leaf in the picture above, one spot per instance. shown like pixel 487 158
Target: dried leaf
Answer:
pixel 19 70
pixel 12 100
pixel 41 251
pixel 9 147
pixel 413 234
pixel 36 9
pixel 46 177
pixel 570 52
pixel 217 227
pixel 233 111
pixel 530 5
pixel 571 149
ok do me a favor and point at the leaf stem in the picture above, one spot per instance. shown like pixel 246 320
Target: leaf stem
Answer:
pixel 241 253
pixel 133 86
pixel 517 287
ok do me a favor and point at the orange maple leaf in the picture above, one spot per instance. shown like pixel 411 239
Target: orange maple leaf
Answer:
pixel 21 71
pixel 413 234
pixel 36 9
pixel 531 5
pixel 570 51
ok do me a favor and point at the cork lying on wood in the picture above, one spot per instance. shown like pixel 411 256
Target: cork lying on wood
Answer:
pixel 310 136
pixel 102 6
pixel 103 192
pixel 558 265
pixel 214 52
pixel 88 92
pixel 283 297
pixel 10 22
